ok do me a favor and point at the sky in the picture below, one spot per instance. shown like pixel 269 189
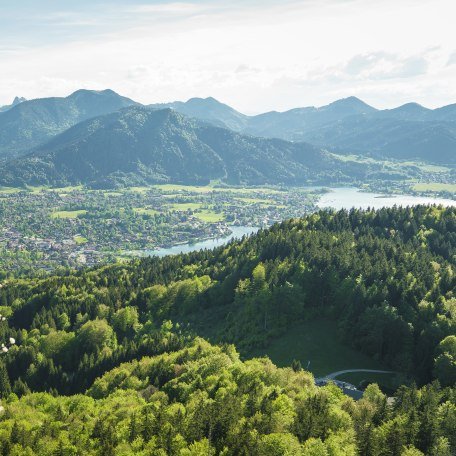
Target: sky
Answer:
pixel 254 55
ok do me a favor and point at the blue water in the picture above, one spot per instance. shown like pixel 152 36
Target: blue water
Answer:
pixel 237 232
pixel 346 198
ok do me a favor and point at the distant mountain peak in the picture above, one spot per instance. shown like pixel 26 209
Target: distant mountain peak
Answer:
pixel 18 100
pixel 88 92
pixel 412 106
pixel 351 102
pixel 203 99
pixel 208 101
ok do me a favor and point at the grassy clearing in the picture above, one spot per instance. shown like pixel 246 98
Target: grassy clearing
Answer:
pixel 142 189
pixel 69 189
pixel 317 342
pixel 182 207
pixel 209 216
pixel 145 211
pixel 80 240
pixel 355 158
pixel 206 215
pixel 68 214
pixel 435 187
pixel 10 190
pixel 37 189
pixel 184 188
pixel 256 201
pixel 171 188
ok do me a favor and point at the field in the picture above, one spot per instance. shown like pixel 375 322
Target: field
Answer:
pixel 435 187
pixel 80 240
pixel 145 211
pixel 68 214
pixel 9 190
pixel 208 216
pixel 317 342
pixel 184 188
pixel 171 188
pixel 185 206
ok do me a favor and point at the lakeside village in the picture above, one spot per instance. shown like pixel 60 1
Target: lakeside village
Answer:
pixel 77 227
pixel 80 252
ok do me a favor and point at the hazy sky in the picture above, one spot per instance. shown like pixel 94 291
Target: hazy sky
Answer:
pixel 254 55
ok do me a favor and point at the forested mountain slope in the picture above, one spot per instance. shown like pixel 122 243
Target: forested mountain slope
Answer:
pixel 387 276
pixel 29 123
pixel 138 145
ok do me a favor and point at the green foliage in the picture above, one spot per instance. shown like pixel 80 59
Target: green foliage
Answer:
pixel 5 386
pixel 445 363
pixel 94 336
pixel 105 362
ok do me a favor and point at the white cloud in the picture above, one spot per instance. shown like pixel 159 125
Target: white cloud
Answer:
pixel 254 56
pixel 382 65
pixel 452 59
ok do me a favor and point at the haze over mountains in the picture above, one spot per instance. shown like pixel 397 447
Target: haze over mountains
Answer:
pixel 100 137
pixel 349 125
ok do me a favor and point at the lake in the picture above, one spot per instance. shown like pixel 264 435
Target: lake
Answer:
pixel 346 198
pixel 237 233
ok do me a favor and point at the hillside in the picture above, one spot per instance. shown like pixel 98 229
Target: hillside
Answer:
pixel 383 137
pixel 118 346
pixel 29 123
pixel 138 145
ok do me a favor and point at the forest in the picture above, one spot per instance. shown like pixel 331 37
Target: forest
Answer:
pixel 148 357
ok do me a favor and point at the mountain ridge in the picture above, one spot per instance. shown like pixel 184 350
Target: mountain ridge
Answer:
pixel 347 125
pixel 32 122
pixel 153 146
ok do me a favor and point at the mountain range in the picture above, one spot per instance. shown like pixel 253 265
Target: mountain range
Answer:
pixel 349 125
pixel 140 145
pixel 101 137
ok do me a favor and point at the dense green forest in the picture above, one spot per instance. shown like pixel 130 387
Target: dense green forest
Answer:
pixel 111 360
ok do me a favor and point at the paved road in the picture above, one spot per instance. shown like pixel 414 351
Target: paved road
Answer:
pixel 333 375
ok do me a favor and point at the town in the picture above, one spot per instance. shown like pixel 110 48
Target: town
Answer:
pixel 75 226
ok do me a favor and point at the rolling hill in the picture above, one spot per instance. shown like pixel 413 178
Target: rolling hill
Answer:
pixel 141 145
